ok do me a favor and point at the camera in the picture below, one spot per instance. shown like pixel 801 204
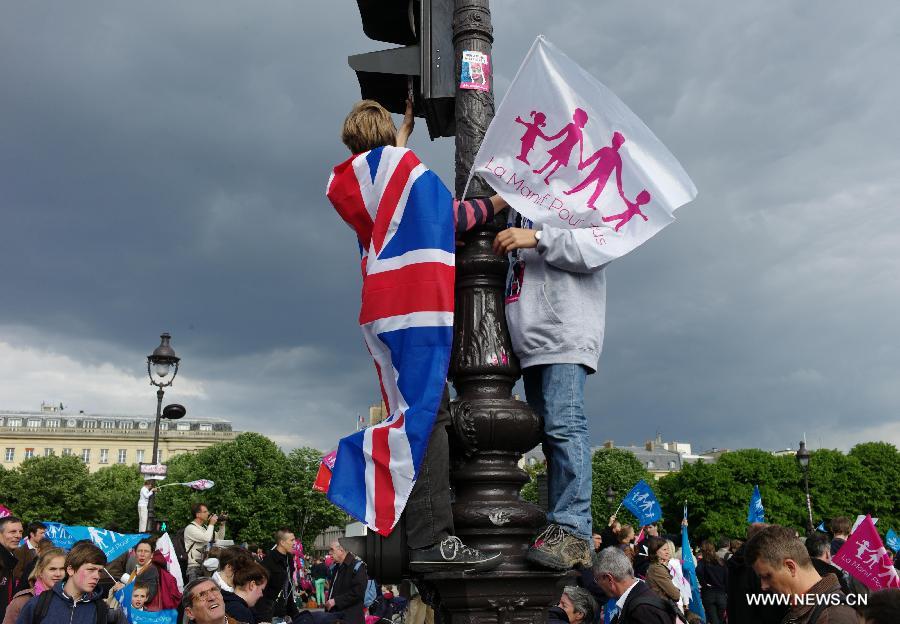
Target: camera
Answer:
pixel 223 515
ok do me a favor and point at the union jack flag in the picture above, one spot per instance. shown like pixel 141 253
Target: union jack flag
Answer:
pixel 403 218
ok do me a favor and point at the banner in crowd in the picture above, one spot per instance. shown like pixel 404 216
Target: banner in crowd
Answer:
pixel 859 520
pixel 557 142
pixel 641 501
pixel 323 477
pixel 59 534
pixel 135 616
pixel 821 528
pixel 892 540
pixel 113 544
pixel 755 512
pixel 165 546
pixel 865 557
pixel 5 511
pixel 689 565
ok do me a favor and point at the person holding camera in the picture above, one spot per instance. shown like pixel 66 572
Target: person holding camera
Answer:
pixel 197 536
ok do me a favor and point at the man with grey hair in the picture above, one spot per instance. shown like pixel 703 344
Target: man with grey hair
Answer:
pixel 636 602
pixel 348 589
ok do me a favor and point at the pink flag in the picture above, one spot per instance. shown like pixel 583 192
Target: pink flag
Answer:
pixel 864 556
pixel 4 511
pixel 164 545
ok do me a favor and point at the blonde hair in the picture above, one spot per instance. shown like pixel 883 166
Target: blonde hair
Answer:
pixel 368 126
pixel 44 560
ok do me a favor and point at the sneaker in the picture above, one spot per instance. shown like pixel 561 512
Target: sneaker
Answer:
pixel 452 554
pixel 558 549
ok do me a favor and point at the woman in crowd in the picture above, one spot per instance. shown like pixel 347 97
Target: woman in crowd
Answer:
pixel 230 559
pixel 576 606
pixel 144 572
pixel 49 570
pixel 712 575
pixel 250 580
pixel 658 577
pixel 625 537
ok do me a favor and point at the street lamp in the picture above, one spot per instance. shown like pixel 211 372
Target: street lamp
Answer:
pixel 162 367
pixel 803 460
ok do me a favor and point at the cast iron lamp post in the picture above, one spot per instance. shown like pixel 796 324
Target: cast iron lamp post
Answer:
pixel 162 366
pixel 803 460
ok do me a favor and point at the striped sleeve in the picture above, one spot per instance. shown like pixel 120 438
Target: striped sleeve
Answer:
pixel 471 212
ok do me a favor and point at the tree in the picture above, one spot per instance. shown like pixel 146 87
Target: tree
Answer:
pixel 117 489
pixel 51 488
pixel 311 513
pixel 621 470
pixel 876 487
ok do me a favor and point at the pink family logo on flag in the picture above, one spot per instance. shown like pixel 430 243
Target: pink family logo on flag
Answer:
pixel 4 511
pixel 864 556
pixel 559 137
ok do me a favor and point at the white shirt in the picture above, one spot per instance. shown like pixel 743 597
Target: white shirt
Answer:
pixel 145 496
pixel 620 603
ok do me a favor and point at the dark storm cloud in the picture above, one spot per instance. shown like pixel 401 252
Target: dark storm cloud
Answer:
pixel 163 167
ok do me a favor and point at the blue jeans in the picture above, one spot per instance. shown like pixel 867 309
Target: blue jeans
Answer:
pixel 556 393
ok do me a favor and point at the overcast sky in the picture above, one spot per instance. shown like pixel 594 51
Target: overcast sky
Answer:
pixel 162 168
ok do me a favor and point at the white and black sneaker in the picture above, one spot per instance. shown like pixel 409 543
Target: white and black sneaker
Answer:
pixel 451 554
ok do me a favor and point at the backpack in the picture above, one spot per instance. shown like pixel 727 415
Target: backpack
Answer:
pixel 655 601
pixel 42 606
pixel 181 553
pixel 371 587
pixel 167 594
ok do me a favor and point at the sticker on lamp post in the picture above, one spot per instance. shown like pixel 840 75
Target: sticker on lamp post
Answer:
pixel 475 71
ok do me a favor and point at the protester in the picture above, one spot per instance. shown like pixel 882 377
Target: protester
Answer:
pixel 144 572
pixel 74 600
pixel 743 582
pixel 49 569
pixel 641 556
pixel 624 539
pixel 658 577
pixel 712 576
pixel 10 536
pixel 230 559
pixel 555 310
pixel 882 607
pixel 575 606
pixel 140 594
pixel 27 552
pixel 319 574
pixel 840 530
pixel 278 596
pixel 636 602
pixel 143 503
pixel 819 549
pixel 250 579
pixel 203 603
pixel 197 535
pixel 608 534
pixel 345 600
pixel 723 552
pixel 428 517
pixel 784 567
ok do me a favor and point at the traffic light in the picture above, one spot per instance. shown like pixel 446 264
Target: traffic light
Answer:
pixel 424 65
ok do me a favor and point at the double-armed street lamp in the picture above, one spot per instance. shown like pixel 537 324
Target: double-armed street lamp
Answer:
pixel 803 460
pixel 162 367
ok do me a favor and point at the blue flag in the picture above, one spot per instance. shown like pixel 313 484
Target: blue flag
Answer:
pixel 689 566
pixel 821 528
pixel 111 543
pixel 756 513
pixel 166 616
pixel 641 501
pixel 59 535
pixel 892 540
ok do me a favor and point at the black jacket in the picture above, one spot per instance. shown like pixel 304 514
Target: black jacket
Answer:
pixel 742 580
pixel 349 589
pixel 237 608
pixel 643 613
pixel 9 584
pixel 849 585
pixel 712 577
pixel 319 571
pixel 278 597
pixel 555 615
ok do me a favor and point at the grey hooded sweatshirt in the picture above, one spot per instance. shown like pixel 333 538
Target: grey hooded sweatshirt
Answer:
pixel 555 300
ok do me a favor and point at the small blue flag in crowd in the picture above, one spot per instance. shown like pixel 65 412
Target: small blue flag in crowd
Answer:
pixel 756 513
pixel 137 616
pixel 59 535
pixel 892 540
pixel 641 501
pixel 689 565
pixel 821 528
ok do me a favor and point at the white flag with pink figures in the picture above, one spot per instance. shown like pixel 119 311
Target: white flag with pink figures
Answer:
pixel 565 152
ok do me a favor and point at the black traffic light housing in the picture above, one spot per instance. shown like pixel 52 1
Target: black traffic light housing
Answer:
pixel 426 62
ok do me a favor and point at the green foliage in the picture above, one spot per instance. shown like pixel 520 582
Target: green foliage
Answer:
pixel 311 511
pixel 530 490
pixel 117 489
pixel 51 488
pixel 621 470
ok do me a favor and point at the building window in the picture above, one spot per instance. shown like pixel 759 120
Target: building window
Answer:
pixel 29 453
pixel 183 426
pixel 51 422
pixel 86 455
pixel 67 452
pixel 125 424
pixel 123 454
pixel 15 422
pixel 140 456
pixel 650 464
pixel 205 427
pixel 107 424
pixel 34 422
pixel 163 426
pixel 104 456
pixel 49 452
pixel 159 456
pixel 89 424
pixel 10 454
pixel 672 464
